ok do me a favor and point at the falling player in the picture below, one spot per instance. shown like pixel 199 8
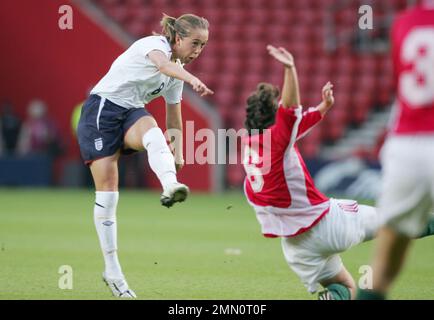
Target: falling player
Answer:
pixel 407 194
pixel 114 121
pixel 313 228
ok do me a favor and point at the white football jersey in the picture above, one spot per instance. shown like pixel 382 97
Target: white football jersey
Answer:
pixel 133 80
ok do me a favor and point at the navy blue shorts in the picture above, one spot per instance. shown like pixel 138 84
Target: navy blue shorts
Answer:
pixel 102 128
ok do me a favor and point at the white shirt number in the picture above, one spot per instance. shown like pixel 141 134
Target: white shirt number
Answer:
pixel 417 85
pixel 250 160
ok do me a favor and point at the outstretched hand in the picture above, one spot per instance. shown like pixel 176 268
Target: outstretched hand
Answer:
pixel 200 87
pixel 327 94
pixel 281 55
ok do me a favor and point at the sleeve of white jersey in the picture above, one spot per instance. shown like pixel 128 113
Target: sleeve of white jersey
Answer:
pixel 173 95
pixel 155 43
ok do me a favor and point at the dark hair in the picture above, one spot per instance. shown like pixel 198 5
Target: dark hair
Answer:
pixel 181 26
pixel 261 107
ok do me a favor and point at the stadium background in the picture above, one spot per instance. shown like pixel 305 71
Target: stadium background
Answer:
pixel 39 61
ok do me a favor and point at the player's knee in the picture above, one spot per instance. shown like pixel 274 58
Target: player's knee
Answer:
pixel 343 283
pixel 105 173
pixel 108 184
pixel 351 285
pixel 348 281
pixel 134 135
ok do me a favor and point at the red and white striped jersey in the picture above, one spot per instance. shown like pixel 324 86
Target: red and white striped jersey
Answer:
pixel 278 184
pixel 412 39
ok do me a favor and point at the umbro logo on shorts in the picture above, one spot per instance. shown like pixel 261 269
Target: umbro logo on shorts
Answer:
pixel 98 144
pixel 108 223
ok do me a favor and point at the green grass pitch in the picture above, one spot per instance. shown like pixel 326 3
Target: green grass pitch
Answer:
pixel 177 253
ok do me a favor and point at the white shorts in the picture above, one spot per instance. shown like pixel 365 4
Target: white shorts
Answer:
pixel 407 194
pixel 314 255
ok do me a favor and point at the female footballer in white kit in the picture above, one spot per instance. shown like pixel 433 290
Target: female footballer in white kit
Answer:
pixel 313 228
pixel 114 122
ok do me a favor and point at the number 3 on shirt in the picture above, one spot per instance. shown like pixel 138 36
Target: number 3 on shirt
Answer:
pixel 416 85
pixel 250 160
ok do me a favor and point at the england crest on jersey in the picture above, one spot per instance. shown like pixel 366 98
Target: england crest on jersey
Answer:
pixel 98 144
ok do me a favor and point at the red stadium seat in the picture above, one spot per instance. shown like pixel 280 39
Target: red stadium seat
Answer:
pixel 323 65
pixel 228 31
pixel 333 127
pixel 109 3
pixel 245 93
pixel 140 13
pixel 132 3
pixel 282 17
pixel 303 82
pixel 361 106
pixel 136 28
pixel 308 16
pixel 251 81
pixel 304 66
pixel 343 100
pixel 258 4
pixel 214 17
pixel 346 64
pixel 232 64
pixel 256 63
pixel 367 64
pixel 310 144
pixel 385 65
pixel 260 16
pixel 235 175
pixel 367 82
pixel 345 82
pixel 279 4
pixel 254 33
pixel 119 13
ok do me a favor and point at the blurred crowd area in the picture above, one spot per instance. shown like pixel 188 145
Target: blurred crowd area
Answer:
pixel 29 145
pixel 35 134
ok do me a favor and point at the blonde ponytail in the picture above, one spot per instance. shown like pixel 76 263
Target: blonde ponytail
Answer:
pixel 181 26
pixel 168 25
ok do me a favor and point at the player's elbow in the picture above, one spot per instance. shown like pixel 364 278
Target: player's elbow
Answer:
pixel 323 108
pixel 285 104
pixel 290 103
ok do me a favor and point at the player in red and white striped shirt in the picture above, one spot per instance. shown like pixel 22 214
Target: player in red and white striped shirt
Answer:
pixel 406 201
pixel 314 228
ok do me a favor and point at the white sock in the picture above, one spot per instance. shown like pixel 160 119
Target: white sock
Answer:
pixel 106 227
pixel 160 158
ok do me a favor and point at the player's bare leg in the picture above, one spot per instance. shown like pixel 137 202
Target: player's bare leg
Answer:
pixel 389 258
pixel 105 173
pixel 145 134
pixel 105 176
pixel 339 287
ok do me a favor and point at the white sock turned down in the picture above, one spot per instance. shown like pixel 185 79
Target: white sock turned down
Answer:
pixel 106 227
pixel 160 158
